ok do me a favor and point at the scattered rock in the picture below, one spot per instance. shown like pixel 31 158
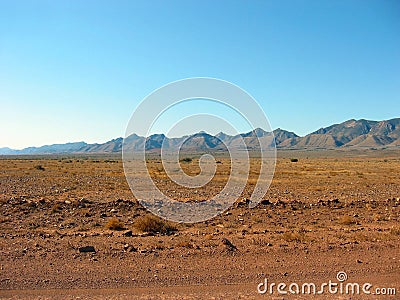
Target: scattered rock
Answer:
pixel 266 202
pixel 84 200
pixel 87 249
pixel 228 244
pixel 128 233
pixel 280 203
pixel 129 248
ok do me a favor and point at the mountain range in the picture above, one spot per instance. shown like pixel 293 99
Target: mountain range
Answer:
pixel 352 134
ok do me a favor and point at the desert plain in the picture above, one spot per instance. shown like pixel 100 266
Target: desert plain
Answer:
pixel 70 228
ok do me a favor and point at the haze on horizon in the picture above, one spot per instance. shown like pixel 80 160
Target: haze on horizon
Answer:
pixel 75 71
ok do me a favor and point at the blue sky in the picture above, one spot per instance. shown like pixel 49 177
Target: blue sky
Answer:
pixel 76 70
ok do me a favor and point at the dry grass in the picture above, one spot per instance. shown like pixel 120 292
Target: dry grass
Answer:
pixel 395 230
pixel 56 208
pixel 298 237
pixel 346 220
pixel 152 224
pixel 115 224
pixel 260 242
pixel 378 217
pixel 186 244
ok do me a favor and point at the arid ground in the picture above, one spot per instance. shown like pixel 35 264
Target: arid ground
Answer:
pixel 328 212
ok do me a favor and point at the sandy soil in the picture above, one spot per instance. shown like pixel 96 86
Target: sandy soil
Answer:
pixel 326 213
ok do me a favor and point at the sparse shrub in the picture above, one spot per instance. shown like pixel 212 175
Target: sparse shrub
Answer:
pixel 395 230
pixel 4 220
pixel 85 212
pixel 346 220
pixel 186 160
pixel 157 247
pixel 260 242
pixel 152 224
pixel 82 228
pixel 115 224
pixel 360 237
pixel 294 159
pixel 294 237
pixel 56 208
pixel 378 217
pixel 186 244
pixel 39 167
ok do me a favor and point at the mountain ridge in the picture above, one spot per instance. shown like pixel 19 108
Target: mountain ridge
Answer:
pixel 351 134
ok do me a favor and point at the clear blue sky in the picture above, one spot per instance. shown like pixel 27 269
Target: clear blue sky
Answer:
pixel 75 70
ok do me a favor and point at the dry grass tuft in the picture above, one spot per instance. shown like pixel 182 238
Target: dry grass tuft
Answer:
pixel 298 237
pixel 186 244
pixel 186 160
pixel 56 208
pixel 260 242
pixel 395 230
pixel 152 224
pixel 115 224
pixel 346 220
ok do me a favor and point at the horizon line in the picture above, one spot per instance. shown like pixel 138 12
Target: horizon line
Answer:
pixel 279 128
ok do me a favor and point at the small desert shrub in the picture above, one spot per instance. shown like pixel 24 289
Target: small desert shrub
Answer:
pixel 56 208
pixel 378 217
pixel 82 228
pixel 85 212
pixel 360 237
pixel 294 237
pixel 152 224
pixel 395 230
pixel 186 244
pixel 39 167
pixel 260 242
pixel 294 159
pixel 115 224
pixel 346 220
pixel 186 160
pixel 4 220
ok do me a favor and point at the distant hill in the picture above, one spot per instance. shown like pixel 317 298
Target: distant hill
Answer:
pixel 352 134
pixel 47 149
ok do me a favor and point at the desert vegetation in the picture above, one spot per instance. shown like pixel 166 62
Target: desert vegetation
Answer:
pixel 324 212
